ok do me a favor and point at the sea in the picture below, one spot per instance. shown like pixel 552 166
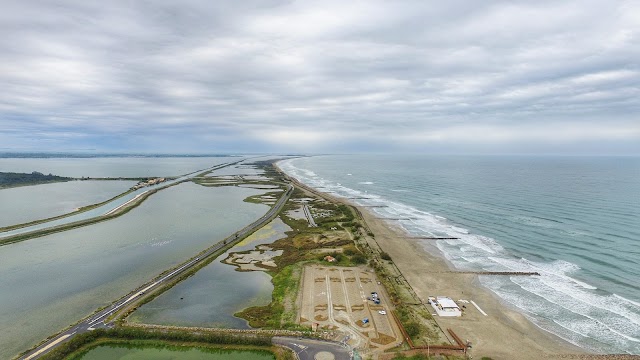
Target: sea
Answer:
pixel 575 220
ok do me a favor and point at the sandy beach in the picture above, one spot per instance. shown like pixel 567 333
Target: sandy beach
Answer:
pixel 503 333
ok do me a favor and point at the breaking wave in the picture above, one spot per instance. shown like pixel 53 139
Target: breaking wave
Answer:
pixel 556 301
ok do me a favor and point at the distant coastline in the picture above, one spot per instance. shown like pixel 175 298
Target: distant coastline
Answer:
pixel 46 155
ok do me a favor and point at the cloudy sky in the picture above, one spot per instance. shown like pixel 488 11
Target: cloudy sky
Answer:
pixel 320 76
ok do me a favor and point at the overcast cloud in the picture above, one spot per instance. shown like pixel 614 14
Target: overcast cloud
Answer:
pixel 321 76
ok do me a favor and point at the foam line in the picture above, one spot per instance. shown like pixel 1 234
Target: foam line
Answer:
pixel 627 300
pixel 564 305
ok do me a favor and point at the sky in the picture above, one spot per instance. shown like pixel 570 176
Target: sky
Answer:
pixel 512 77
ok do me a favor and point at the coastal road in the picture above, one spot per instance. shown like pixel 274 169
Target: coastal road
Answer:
pixel 310 349
pixel 99 319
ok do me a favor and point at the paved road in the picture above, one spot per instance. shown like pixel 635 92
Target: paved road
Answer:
pixel 309 349
pixel 98 320
pixel 307 213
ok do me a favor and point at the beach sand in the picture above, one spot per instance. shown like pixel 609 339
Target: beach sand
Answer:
pixel 503 334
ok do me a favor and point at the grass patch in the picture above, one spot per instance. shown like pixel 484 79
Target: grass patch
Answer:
pixel 272 316
pixel 79 342
pixel 258 199
pixel 303 245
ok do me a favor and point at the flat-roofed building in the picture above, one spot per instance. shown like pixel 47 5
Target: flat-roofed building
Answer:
pixel 445 306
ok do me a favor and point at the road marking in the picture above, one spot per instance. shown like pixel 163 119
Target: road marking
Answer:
pixel 121 206
pixel 478 307
pixel 346 297
pixel 142 291
pixel 50 345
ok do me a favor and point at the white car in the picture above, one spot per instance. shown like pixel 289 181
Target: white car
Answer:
pixel 382 312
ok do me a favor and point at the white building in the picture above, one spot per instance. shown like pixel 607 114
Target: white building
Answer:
pixel 445 306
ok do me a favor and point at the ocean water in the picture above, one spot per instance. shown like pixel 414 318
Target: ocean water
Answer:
pixel 575 220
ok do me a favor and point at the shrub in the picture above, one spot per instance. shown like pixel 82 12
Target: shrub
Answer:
pixel 359 259
pixel 412 328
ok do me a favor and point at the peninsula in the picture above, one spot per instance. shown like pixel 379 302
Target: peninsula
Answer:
pixel 10 179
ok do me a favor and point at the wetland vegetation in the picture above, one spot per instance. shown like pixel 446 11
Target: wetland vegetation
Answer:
pixel 10 179
pixel 304 245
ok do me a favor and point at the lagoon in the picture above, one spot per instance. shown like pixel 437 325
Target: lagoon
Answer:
pixel 113 166
pixel 50 282
pixel 29 203
pixel 242 169
pixel 101 210
pixel 211 296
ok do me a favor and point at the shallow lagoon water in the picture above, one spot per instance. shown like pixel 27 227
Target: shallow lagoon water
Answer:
pixel 29 203
pixel 130 352
pixel 112 166
pixel 101 210
pixel 50 282
pixel 237 170
pixel 216 292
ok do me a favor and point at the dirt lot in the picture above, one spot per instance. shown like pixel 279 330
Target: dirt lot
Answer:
pixel 336 298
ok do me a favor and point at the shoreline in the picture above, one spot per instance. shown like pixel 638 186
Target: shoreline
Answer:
pixel 505 333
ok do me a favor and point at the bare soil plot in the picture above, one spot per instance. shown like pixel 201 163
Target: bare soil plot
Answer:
pixel 341 299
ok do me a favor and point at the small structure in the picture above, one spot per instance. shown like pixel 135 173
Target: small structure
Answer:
pixel 445 306
pixel 148 182
pixel 329 258
pixel 375 298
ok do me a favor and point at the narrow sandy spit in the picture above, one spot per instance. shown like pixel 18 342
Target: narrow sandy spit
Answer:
pixel 503 334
